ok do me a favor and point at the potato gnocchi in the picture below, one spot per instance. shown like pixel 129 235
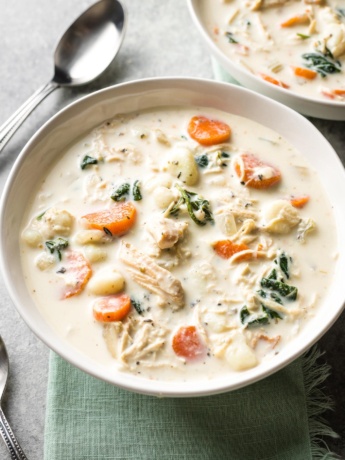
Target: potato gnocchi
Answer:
pixel 179 243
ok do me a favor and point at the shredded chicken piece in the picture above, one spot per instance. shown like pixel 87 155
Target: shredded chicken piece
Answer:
pixel 166 232
pixel 134 339
pixel 151 276
pixel 273 341
pixel 263 4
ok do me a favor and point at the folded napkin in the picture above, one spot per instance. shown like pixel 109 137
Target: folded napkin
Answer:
pixel 274 419
pixel 277 418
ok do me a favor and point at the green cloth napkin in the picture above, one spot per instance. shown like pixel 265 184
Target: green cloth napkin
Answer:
pixel 269 420
pixel 277 418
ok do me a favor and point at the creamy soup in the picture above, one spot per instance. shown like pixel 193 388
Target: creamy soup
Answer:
pixel 179 243
pixel 298 45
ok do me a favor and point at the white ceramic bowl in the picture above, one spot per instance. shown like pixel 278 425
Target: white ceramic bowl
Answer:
pixel 329 110
pixel 77 119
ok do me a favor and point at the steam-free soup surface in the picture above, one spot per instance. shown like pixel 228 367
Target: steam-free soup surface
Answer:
pixel 178 244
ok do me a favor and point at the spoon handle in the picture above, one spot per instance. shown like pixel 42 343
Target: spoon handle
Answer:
pixel 10 440
pixel 12 124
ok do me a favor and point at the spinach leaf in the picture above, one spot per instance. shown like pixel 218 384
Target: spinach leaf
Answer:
pixel 137 305
pixel 284 261
pixel 202 160
pixel 193 203
pixel 137 196
pixel 87 160
pixel 120 193
pixel 252 320
pixel 320 63
pixel 57 245
pixel 286 291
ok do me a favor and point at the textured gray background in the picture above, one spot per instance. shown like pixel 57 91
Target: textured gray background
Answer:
pixel 160 41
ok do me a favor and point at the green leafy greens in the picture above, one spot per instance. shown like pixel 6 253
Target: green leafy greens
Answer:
pixel 88 160
pixel 194 203
pixel 121 192
pixel 57 245
pixel 324 64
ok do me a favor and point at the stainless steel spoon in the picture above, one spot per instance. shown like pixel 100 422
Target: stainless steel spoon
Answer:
pixel 5 429
pixel 84 51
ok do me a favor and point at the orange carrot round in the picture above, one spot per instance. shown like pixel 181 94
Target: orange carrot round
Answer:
pixel 77 272
pixel 207 131
pixel 118 219
pixel 274 81
pixel 304 73
pixel 187 343
pixel 226 249
pixel 249 168
pixel 111 308
pixel 299 201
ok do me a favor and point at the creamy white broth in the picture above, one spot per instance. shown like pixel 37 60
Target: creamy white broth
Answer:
pixel 138 147
pixel 251 34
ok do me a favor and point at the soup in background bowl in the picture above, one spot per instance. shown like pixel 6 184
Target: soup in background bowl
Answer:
pixel 292 51
pixel 170 242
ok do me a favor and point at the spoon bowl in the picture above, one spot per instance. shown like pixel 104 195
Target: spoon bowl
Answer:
pixel 5 429
pixel 90 44
pixel 84 51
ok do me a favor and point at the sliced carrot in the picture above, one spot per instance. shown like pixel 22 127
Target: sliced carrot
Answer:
pixel 226 249
pixel 187 343
pixel 305 73
pixel 296 20
pixel 339 92
pixel 77 272
pixel 299 201
pixel 118 219
pixel 111 308
pixel 207 131
pixel 274 81
pixel 255 173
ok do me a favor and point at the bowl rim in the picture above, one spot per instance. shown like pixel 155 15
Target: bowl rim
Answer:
pixel 140 385
pixel 271 88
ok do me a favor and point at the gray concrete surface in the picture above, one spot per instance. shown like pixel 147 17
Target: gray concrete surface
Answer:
pixel 161 41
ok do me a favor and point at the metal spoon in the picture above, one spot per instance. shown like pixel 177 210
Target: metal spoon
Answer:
pixel 84 51
pixel 5 429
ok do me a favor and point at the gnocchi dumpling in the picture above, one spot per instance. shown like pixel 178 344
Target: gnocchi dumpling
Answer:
pixel 106 282
pixel 280 217
pixel 181 165
pixel 239 355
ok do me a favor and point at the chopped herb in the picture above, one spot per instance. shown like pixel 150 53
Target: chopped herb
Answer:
pixel 193 203
pixel 61 270
pixel 57 245
pixel 39 217
pixel 260 177
pixel 202 160
pixel 107 231
pixel 230 37
pixel 303 37
pixel 273 275
pixel 137 305
pixel 120 193
pixel 185 138
pixel 87 160
pixel 321 64
pixel 286 291
pixel 137 196
pixel 225 155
